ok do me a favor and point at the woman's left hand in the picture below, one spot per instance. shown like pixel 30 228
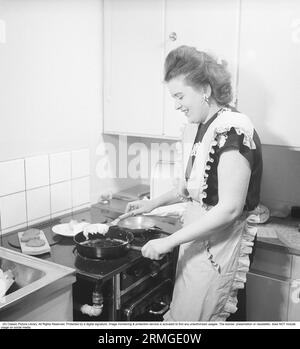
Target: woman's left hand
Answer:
pixel 156 249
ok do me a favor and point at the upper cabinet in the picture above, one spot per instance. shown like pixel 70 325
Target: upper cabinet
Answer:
pixel 269 69
pixel 133 65
pixel 137 37
pixel 260 40
pixel 210 26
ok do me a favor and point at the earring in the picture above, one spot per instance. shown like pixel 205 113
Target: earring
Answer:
pixel 205 99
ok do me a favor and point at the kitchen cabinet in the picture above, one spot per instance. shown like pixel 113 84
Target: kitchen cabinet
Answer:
pixel 207 25
pixel 137 37
pixel 269 70
pixel 133 64
pixel 273 286
pixel 272 262
pixel 267 298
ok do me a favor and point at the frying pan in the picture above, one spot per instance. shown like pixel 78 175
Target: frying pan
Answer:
pixel 114 244
pixel 136 223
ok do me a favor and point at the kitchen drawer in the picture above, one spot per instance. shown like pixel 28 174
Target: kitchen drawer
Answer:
pixel 272 262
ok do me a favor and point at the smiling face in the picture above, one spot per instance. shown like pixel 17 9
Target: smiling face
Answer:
pixel 188 100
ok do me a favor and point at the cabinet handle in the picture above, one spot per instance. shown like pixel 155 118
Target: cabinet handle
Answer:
pixel 173 36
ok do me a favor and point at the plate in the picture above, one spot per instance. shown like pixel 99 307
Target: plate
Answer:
pixel 65 229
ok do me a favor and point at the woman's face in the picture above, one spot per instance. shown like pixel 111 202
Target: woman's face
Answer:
pixel 188 100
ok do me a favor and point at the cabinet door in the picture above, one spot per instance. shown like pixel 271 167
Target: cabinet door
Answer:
pixel 267 298
pixel 133 66
pixel 269 74
pixel 207 25
pixel 294 304
pixel 271 262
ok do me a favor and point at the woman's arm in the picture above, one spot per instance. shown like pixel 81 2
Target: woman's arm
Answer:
pixel 146 206
pixel 233 180
pixel 171 197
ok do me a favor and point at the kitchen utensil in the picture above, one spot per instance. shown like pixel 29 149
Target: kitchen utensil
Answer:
pixel 137 223
pixel 114 244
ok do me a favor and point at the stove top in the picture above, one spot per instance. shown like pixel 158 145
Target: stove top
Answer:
pixel 105 268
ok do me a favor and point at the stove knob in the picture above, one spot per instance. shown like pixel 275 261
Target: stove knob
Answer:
pixel 138 272
pixel 154 267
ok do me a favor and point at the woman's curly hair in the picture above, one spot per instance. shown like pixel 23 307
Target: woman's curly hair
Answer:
pixel 199 69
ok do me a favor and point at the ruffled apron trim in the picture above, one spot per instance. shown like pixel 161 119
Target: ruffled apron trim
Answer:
pixel 240 276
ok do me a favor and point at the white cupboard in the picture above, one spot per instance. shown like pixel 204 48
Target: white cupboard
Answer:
pixel 269 69
pixel 210 26
pixel 260 39
pixel 137 37
pixel 133 65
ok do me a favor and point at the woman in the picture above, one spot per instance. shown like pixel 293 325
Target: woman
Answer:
pixel 223 171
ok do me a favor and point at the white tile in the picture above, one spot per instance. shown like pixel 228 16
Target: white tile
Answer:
pixel 16 228
pixel 60 167
pixel 37 171
pixel 61 214
pixel 39 220
pixel 81 207
pixel 38 203
pixel 80 191
pixel 13 210
pixel 12 177
pixel 61 197
pixel 80 163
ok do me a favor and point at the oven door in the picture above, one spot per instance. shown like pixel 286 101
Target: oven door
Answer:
pixel 151 305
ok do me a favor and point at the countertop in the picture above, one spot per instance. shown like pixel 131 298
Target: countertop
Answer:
pixel 267 235
pixel 62 247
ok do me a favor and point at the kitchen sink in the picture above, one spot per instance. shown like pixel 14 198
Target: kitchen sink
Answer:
pixel 37 282
pixel 23 275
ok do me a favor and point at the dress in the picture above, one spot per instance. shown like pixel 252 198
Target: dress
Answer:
pixel 210 273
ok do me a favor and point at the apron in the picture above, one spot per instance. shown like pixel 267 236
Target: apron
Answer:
pixel 210 273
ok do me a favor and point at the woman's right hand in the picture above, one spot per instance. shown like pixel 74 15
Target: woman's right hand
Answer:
pixel 138 207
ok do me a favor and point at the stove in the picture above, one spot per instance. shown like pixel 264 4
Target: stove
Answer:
pixel 102 269
pixel 129 288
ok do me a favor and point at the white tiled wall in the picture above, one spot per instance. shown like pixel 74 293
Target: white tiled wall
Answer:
pixel 80 163
pixel 80 191
pixel 61 197
pixel 13 210
pixel 38 203
pixel 12 178
pixel 37 188
pixel 37 171
pixel 60 167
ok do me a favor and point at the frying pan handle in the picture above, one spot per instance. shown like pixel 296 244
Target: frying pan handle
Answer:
pixel 155 227
pixel 135 248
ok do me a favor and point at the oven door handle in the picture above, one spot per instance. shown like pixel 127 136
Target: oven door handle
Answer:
pixel 166 307
pixel 129 310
